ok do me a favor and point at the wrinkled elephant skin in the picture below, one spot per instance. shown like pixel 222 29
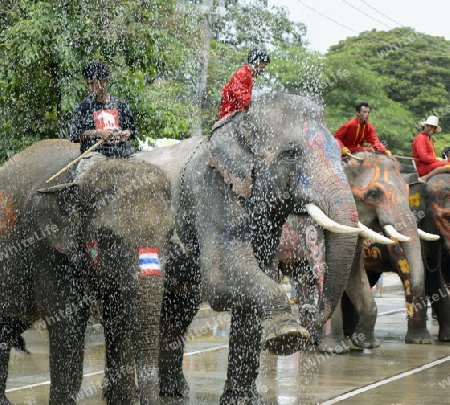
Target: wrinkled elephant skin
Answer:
pixel 232 193
pixel 430 204
pixel 381 197
pixel 61 252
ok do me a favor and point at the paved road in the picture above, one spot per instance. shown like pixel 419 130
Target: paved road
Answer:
pixel 393 374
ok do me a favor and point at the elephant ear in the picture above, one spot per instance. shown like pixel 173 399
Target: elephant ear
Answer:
pixel 230 155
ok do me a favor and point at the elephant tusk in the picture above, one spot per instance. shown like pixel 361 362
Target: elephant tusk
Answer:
pixel 374 236
pixel 325 222
pixel 394 234
pixel 428 236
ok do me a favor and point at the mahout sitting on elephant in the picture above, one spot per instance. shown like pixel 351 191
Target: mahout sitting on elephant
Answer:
pixel 381 198
pixel 232 192
pixel 62 251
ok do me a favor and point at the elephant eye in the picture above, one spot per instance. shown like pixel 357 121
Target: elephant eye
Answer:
pixel 373 194
pixel 287 156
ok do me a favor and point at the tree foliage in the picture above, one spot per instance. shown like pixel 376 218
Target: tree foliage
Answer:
pixel 240 26
pixel 158 52
pixel 148 44
pixel 400 72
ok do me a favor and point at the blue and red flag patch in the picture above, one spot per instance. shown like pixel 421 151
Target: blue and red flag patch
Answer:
pixel 149 262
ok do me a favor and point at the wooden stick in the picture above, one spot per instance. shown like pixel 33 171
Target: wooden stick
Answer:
pixel 74 161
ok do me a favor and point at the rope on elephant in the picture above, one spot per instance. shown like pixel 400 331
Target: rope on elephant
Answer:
pixel 405 157
pixel 182 174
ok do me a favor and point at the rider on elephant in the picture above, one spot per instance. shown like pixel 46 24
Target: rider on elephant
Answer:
pixel 237 93
pixel 353 133
pixel 423 149
pixel 101 116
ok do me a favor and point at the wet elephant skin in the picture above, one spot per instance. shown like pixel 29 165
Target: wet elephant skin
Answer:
pixel 64 251
pixel 232 194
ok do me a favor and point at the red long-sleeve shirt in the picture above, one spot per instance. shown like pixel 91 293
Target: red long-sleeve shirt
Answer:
pixel 352 135
pixel 237 93
pixel 425 154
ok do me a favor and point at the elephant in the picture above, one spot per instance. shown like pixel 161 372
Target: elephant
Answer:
pixel 429 201
pixel 382 202
pixel 100 241
pixel 231 193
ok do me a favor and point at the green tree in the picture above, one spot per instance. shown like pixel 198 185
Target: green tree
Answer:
pixel 148 44
pixel 239 27
pixel 413 66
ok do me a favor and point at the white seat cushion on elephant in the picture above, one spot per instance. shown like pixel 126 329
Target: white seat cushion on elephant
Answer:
pixel 157 143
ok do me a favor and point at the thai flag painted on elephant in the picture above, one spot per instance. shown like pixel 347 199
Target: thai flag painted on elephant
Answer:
pixel 149 262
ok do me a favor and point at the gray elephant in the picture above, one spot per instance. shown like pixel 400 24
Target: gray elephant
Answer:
pixel 232 192
pixel 382 201
pixel 60 252
pixel 430 203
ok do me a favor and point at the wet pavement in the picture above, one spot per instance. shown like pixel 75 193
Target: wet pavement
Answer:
pixel 394 374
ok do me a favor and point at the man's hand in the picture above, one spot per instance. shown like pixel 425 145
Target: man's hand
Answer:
pixel 389 153
pixel 345 151
pixel 124 135
pixel 114 136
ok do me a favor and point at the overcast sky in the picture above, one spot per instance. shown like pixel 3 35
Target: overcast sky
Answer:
pixel 335 20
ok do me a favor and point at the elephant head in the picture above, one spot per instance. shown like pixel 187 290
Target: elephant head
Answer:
pixel 280 156
pixel 381 197
pixel 430 204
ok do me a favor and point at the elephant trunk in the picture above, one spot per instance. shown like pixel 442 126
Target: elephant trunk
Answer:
pixel 146 337
pixel 339 250
pixel 411 259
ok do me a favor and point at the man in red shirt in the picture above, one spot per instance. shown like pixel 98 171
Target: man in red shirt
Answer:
pixel 423 150
pixel 353 133
pixel 237 93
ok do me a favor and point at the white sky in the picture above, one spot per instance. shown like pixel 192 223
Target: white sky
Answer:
pixel 431 17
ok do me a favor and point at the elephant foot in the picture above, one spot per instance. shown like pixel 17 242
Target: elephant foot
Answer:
pixel 176 387
pixel 315 336
pixel 241 396
pixel 363 341
pixel 444 334
pixel 418 337
pixel 4 400
pixel 19 345
pixel 282 335
pixel 335 344
pixel 308 314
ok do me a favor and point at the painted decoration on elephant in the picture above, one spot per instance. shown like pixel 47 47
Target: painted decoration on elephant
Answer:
pixel 316 250
pixel 371 251
pixel 441 216
pixel 414 200
pixel 149 262
pixel 316 138
pixel 7 214
pixel 92 250
pixel 380 181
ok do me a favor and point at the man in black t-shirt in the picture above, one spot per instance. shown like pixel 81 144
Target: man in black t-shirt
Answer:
pixel 101 116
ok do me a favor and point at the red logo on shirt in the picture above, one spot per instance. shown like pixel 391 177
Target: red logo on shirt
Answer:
pixel 106 119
